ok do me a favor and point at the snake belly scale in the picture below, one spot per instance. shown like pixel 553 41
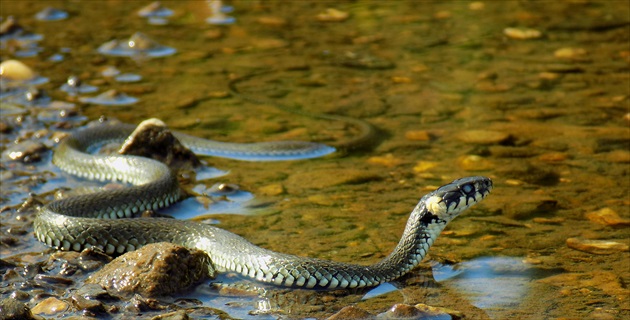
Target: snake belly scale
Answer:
pixel 107 220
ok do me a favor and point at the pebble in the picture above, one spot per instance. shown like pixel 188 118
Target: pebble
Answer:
pixel 351 312
pixel 474 163
pixel 608 282
pixel 275 189
pixel 556 220
pixel 512 152
pixel 618 156
pixel 553 157
pixel 401 79
pixel 156 269
pixel 332 15
pixel 522 208
pixel 418 135
pixel 387 160
pixel 402 311
pixel 16 71
pixel 424 166
pixel 88 298
pixel 50 306
pixel 325 178
pixel 272 21
pixel 431 312
pixel 476 6
pixel 483 137
pixel 607 216
pixel 603 247
pixel 322 200
pixel 176 315
pixel 26 151
pixel 11 309
pixel 569 53
pixel 522 33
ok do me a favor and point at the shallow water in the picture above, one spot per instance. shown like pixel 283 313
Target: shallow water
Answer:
pixel 554 114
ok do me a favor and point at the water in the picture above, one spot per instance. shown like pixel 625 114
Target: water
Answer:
pixel 429 75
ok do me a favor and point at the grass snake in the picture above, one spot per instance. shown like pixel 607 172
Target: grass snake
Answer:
pixel 109 219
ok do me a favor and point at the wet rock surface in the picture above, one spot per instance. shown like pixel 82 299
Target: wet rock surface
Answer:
pixel 154 270
pixel 153 139
pixel 12 309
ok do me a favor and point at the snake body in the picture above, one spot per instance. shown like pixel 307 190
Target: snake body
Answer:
pixel 108 220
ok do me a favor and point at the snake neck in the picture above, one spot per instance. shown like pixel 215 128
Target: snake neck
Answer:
pixel 421 230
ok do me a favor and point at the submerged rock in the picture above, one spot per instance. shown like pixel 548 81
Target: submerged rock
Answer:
pixel 138 45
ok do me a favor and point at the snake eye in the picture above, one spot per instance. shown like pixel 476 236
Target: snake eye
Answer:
pixel 468 188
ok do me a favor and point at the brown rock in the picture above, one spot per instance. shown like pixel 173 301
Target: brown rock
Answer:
pixel 351 312
pixel 597 246
pixel 483 137
pixel 403 311
pixel 154 270
pixel 153 139
pixel 177 315
pixel 438 312
pixel 50 306
pixel 526 207
pixel 607 216
pixel 325 178
pixel 418 135
pixel 12 309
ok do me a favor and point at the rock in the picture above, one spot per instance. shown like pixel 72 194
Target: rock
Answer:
pixel 424 166
pixel 607 216
pixel 275 189
pixel 325 178
pixel 177 315
pixel 554 156
pixel 512 152
pixel 474 163
pixel 522 33
pixel 608 282
pixel 387 160
pixel 618 156
pixel 26 151
pixel 272 21
pixel 401 311
pixel 438 312
pixel 418 135
pixel 525 207
pixel 152 139
pixel 351 312
pixel 89 298
pixel 531 174
pixel 332 15
pixel 483 137
pixel 154 270
pixel 597 246
pixel 569 53
pixel 50 306
pixel 16 70
pixel 11 309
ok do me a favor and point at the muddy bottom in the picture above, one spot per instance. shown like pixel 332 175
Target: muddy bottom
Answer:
pixel 532 94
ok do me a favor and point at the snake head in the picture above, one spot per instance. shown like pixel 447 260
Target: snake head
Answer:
pixel 448 201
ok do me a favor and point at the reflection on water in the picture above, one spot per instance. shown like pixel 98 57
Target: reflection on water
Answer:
pixel 490 283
